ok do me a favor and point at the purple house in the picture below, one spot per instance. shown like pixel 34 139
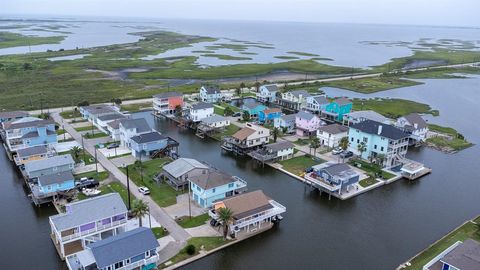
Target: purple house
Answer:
pixel 307 124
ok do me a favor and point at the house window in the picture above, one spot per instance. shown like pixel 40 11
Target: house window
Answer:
pixel 358 140
pixel 147 254
pixel 365 139
pixel 381 148
pixel 230 185
pixel 375 147
pixel 351 139
pixel 118 265
pixel 213 190
pixel 127 261
pixel 198 188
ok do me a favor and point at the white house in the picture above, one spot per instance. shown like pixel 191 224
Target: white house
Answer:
pixel 102 121
pixel 275 151
pixel 246 139
pixel 295 100
pixel 216 121
pixel 359 116
pixel 332 134
pixel 285 121
pixel 414 125
pixel 210 94
pixel 200 111
pixel 317 104
pixel 267 93
pixel 132 127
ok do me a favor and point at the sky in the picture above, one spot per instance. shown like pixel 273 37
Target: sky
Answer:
pixel 416 12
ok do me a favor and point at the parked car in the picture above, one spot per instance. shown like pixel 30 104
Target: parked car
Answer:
pixel 144 190
pixel 86 183
pixel 337 151
pixel 346 154
pixel 113 145
pixel 237 114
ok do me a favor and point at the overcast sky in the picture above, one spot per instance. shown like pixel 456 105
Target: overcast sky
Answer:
pixel 426 12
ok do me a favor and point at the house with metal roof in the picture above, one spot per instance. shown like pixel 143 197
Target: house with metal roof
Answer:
pixel 246 139
pixel 267 93
pixel 47 186
pixel 144 145
pixel 26 155
pixel 336 109
pixel 129 128
pixel 87 221
pixel 333 177
pixel 51 165
pixel 285 123
pixel 12 116
pixel 378 142
pixel 27 132
pixel 274 152
pixel 253 108
pixel 166 103
pixel 295 100
pixel 359 116
pixel 177 172
pixel 269 115
pixel 330 135
pixel 200 111
pixel 251 211
pixel 102 121
pixel 414 125
pixel 216 121
pixel 317 103
pixel 459 256
pixel 208 186
pixel 307 124
pixel 134 249
pixel 210 94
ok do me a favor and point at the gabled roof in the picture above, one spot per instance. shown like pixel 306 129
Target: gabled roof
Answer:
pixel 27 122
pixel 211 89
pixel 248 204
pixel 334 129
pixel 339 170
pixel 115 124
pixel 123 246
pixel 305 115
pixel 50 162
pixel 272 110
pixel 99 109
pixel 182 166
pixel 168 95
pixel 415 118
pixel 213 119
pixel 342 101
pixel 13 114
pixel 113 116
pixel 139 124
pixel 271 87
pixel 89 210
pixel 201 105
pixel 465 256
pixel 31 134
pixel 31 151
pixel 289 117
pixel 211 179
pixel 321 100
pixel 253 105
pixel 279 146
pixel 56 178
pixel 243 133
pixel 368 114
pixel 148 137
pixel 387 131
pixel 297 93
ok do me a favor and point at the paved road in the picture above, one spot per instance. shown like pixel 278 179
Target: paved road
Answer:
pixel 177 232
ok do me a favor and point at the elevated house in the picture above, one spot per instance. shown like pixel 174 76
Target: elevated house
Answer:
pixel 331 135
pixel 415 126
pixel 166 103
pixel 200 111
pixel 295 100
pixel 267 93
pixel 246 139
pixel 28 132
pixel 253 108
pixel 177 172
pixel 212 124
pixel 91 113
pixel 317 103
pixel 307 124
pixel 359 116
pixel 336 109
pixel 135 249
pixel 113 128
pixel 47 187
pixel 48 166
pixel 145 145
pixel 210 94
pixel 274 152
pixel 251 211
pixel 269 115
pixel 379 141
pixel 88 221
pixel 208 186
pixel 102 121
pixel 333 177
pixel 33 153
pixel 286 122
pixel 459 256
pixel 129 128
pixel 12 116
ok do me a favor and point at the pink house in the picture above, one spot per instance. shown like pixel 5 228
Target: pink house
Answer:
pixel 307 124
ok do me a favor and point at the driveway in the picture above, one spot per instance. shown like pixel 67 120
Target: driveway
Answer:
pixel 180 209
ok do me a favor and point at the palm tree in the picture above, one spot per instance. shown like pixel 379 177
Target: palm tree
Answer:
pixel 228 111
pixel 275 133
pixel 361 147
pixel 75 152
pixel 178 111
pixel 225 215
pixel 257 86
pixel 138 165
pixel 139 209
pixel 380 158
pixel 315 143
pixel 284 130
pixel 344 143
pixel 238 91
pixel 246 116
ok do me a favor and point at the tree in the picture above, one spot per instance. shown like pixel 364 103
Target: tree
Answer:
pixel 116 101
pixel 225 216
pixel 344 143
pixel 27 66
pixel 315 144
pixel 45 115
pixel 361 147
pixel 178 111
pixel 138 165
pixel 83 103
pixel 75 152
pixel 257 86
pixel 380 158
pixel 242 85
pixel 190 249
pixel 284 130
pixel 275 133
pixel 246 116
pixel 238 91
pixel 139 209
pixel 228 111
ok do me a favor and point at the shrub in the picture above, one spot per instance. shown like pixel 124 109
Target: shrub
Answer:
pixel 190 249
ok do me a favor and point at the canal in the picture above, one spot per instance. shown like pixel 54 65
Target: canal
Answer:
pixel 376 230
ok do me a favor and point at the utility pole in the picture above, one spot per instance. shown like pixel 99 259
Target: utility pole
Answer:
pixel 189 200
pixel 128 188
pixel 96 161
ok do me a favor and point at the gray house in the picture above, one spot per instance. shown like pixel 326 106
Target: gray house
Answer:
pixel 49 166
pixel 177 172
pixel 334 177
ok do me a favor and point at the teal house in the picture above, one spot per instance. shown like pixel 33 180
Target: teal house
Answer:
pixel 336 109
pixel 253 108
pixel 269 115
pixel 212 185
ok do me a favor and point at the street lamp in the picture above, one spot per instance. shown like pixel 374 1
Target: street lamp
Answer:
pixel 128 186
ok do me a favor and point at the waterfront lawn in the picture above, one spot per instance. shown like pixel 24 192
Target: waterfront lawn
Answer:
pixel 159 232
pixel 371 169
pixel 456 143
pixel 187 222
pixel 368 181
pixel 298 165
pixel 225 56
pixel 131 108
pixel 468 230
pixel 228 131
pixel 372 85
pixel 393 108
pixel 163 194
pixel 100 177
pixel 208 243
pixel 70 114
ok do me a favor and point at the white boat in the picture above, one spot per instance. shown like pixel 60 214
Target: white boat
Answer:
pixel 90 192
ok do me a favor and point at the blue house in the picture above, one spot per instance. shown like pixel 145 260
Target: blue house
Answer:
pixel 459 256
pixel 146 144
pixel 28 132
pixel 337 108
pixel 50 185
pixel 12 116
pixel 253 108
pixel 269 115
pixel 334 177
pixel 48 166
pixel 135 249
pixel 209 186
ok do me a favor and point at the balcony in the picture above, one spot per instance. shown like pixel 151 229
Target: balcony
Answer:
pixel 320 182
pixel 152 259
pixel 239 182
pixel 276 210
pixel 98 228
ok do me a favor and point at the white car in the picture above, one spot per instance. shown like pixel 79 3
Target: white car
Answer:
pixel 337 151
pixel 144 190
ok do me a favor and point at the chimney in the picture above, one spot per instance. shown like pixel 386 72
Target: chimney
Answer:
pixel 379 129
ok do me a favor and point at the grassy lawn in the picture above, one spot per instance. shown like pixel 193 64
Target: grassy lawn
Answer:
pixel 111 188
pixel 96 135
pixel 457 143
pixel 371 169
pixel 225 57
pixel 393 108
pixel 10 39
pixel 441 129
pixel 87 158
pixel 302 141
pixel 159 232
pixel 368 181
pixel 136 107
pixel 163 194
pixel 61 131
pixel 372 85
pixel 208 243
pixel 71 114
pixel 444 73
pixel 225 105
pixel 217 109
pixel 229 131
pixel 100 177
pixel 187 222
pixel 87 128
pixel 298 165
pixel 468 230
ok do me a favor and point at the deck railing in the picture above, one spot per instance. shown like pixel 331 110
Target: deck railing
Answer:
pixel 94 230
pixel 277 210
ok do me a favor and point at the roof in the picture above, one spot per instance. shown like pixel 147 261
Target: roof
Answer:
pixel 31 151
pixel 56 178
pixel 465 256
pixel 289 117
pixel 201 106
pixel 27 122
pixel 31 134
pixel 168 95
pixel 86 211
pixel 279 146
pixel 415 118
pixel 253 105
pixel 13 114
pixel 50 162
pixel 368 114
pixel 342 101
pixel 243 133
pixel 113 116
pixel 123 246
pixel 211 179
pixel 340 170
pixel 271 87
pixel 247 204
pixel 297 93
pixel 139 124
pixel 213 119
pixel 305 115
pixel 211 89
pixel 182 166
pixel 387 131
pixel 99 109
pixel 272 110
pixel 334 129
pixel 321 99
pixel 148 137
pixel 115 124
